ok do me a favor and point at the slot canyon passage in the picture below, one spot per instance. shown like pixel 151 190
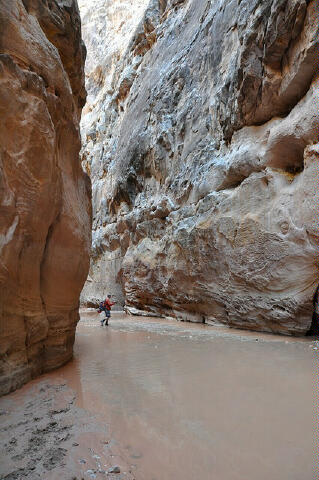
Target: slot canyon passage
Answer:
pixel 171 161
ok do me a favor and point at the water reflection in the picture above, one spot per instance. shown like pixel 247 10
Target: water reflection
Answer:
pixel 188 402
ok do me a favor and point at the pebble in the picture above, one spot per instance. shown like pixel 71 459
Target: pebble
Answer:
pixel 91 473
pixel 115 469
pixel 82 460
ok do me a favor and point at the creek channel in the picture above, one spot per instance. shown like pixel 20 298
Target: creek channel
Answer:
pixel 190 402
pixel 179 401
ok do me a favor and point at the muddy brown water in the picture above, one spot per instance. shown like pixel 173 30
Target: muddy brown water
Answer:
pixel 192 402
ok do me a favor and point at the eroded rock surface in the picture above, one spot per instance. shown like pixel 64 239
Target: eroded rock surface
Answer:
pixel 107 27
pixel 44 194
pixel 202 146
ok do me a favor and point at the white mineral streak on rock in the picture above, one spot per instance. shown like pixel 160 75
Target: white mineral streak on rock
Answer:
pixel 202 147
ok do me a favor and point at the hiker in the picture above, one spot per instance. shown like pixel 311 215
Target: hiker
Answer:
pixel 106 308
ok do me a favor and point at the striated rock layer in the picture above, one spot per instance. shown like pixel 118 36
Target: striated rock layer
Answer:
pixel 202 146
pixel 44 194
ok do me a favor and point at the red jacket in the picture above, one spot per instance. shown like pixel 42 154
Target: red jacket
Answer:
pixel 108 304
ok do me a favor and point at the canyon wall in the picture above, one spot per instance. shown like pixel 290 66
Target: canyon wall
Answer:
pixel 107 28
pixel 45 216
pixel 201 140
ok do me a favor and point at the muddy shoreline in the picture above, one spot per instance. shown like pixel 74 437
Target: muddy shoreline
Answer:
pixel 44 434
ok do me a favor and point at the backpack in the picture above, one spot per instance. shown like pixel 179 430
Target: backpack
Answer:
pixel 101 307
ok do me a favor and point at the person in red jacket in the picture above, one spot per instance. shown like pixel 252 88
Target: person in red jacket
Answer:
pixel 106 307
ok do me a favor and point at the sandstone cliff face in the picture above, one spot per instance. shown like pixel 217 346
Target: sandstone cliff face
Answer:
pixel 44 194
pixel 202 146
pixel 107 27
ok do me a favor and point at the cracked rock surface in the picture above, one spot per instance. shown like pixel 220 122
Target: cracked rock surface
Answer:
pixel 201 140
pixel 44 194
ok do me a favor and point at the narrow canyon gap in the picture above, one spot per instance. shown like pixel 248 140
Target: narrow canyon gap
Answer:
pixel 45 210
pixel 201 139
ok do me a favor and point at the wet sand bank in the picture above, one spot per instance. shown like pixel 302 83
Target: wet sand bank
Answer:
pixel 45 435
